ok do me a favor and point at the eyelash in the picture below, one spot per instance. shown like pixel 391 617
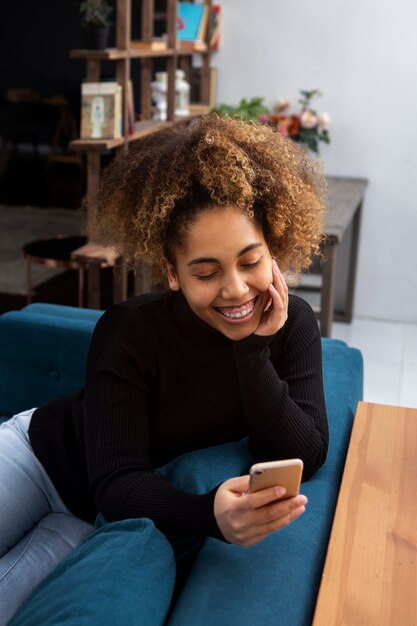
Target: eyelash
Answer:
pixel 247 266
pixel 251 265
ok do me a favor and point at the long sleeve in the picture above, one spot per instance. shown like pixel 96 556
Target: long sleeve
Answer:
pixel 283 398
pixel 121 371
pixel 161 383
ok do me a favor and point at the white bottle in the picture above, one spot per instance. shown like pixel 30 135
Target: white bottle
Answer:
pixel 182 94
pixel 159 88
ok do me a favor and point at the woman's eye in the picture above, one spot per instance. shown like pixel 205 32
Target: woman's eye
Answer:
pixel 251 265
pixel 206 276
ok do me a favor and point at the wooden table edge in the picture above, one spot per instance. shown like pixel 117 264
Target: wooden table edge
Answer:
pixel 321 614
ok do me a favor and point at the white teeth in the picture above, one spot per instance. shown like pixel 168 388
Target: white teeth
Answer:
pixel 238 314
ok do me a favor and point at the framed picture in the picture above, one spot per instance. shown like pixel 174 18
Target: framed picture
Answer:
pixel 101 110
pixel 191 21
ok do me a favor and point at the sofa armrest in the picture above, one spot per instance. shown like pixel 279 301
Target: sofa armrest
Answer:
pixel 42 354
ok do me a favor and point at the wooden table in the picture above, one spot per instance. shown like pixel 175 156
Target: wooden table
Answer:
pixel 344 209
pixel 370 574
pixel 55 252
pixel 95 257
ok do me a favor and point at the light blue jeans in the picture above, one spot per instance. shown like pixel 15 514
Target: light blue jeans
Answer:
pixel 36 528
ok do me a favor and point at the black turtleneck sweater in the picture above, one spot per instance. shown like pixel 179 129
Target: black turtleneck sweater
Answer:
pixel 159 383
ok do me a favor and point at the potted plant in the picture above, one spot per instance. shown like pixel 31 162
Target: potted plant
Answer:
pixel 96 22
pixel 247 110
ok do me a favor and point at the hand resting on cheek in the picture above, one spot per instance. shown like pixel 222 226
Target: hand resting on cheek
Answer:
pixel 277 312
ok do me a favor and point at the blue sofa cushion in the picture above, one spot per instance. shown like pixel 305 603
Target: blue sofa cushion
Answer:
pixel 272 583
pixel 123 569
pixel 279 577
pixel 43 350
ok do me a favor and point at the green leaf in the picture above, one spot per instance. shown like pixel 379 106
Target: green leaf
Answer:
pixel 246 109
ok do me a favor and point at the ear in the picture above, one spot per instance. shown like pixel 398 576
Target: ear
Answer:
pixel 172 277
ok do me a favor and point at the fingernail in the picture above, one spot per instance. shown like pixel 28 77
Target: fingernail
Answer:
pixel 301 501
pixel 279 492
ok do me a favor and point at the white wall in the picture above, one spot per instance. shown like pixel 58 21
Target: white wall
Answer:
pixel 362 54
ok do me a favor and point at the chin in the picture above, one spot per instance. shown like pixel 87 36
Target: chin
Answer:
pixel 236 332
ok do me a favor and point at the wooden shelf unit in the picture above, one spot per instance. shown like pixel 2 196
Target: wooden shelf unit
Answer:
pixel 114 54
pixel 121 55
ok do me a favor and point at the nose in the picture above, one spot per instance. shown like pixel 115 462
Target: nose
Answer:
pixel 234 287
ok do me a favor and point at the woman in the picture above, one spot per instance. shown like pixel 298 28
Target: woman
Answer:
pixel 224 208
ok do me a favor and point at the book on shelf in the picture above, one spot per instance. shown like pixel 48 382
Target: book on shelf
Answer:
pixel 214 26
pixel 196 108
pixel 101 110
pixel 192 20
pixel 130 109
pixel 157 43
pixel 192 46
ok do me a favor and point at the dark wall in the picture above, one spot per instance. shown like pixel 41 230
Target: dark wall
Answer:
pixel 35 39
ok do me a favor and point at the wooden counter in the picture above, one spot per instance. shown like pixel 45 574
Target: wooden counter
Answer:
pixel 370 573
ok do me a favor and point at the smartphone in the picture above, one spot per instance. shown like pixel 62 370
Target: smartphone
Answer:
pixel 286 473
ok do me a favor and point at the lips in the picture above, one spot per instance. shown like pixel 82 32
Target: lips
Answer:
pixel 241 312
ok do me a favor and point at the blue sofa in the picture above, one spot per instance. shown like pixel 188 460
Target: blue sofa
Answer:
pixel 43 349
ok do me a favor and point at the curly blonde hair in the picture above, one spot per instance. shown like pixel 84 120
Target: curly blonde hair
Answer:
pixel 150 195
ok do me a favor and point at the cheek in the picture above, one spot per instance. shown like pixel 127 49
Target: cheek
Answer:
pixel 265 278
pixel 201 295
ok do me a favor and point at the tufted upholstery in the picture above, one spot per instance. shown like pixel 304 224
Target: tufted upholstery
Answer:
pixel 43 349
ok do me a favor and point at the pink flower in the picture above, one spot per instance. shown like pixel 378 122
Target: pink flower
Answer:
pixel 264 118
pixel 283 126
pixel 308 119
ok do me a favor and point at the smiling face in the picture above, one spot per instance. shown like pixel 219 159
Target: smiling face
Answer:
pixel 224 268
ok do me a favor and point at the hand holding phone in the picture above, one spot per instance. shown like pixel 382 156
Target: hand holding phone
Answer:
pixel 248 508
pixel 286 473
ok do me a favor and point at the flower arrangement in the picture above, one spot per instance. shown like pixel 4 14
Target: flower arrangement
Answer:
pixel 307 127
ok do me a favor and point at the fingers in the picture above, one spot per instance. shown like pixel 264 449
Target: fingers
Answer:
pixel 275 525
pixel 272 518
pixel 277 311
pixel 261 498
pixel 279 286
pixel 246 519
pixel 238 485
pixel 280 514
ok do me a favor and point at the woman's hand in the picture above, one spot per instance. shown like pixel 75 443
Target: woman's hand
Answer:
pixel 247 519
pixel 277 312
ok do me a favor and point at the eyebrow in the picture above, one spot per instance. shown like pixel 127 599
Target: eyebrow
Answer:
pixel 204 259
